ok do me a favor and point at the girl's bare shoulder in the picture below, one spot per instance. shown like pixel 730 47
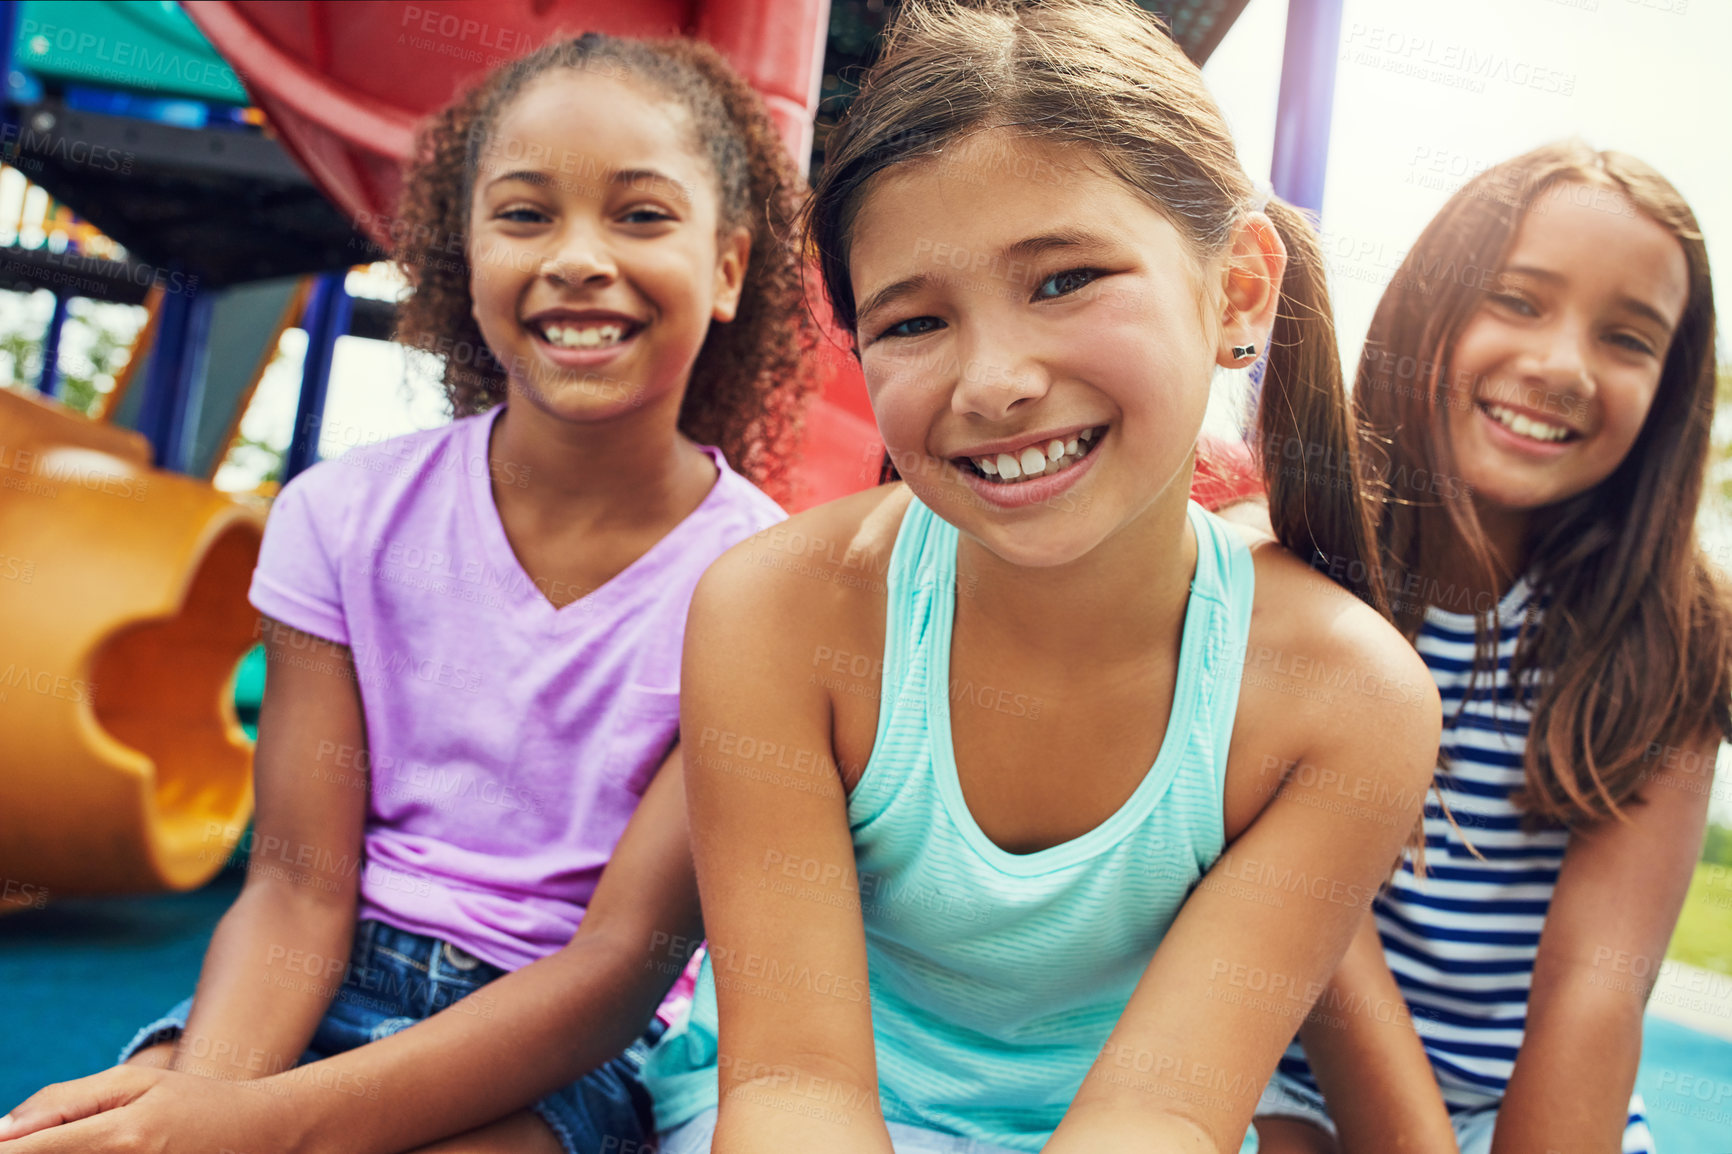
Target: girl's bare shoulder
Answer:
pixel 818 569
pixel 1312 641
pixel 1326 682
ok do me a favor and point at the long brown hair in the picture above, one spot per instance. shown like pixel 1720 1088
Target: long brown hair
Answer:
pixel 1105 74
pixel 752 377
pixel 1631 653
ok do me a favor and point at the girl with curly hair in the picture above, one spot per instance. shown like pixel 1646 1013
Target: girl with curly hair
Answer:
pixel 470 792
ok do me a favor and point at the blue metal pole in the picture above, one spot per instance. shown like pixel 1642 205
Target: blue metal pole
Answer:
pixel 182 428
pixel 48 380
pixel 1307 102
pixel 174 384
pixel 162 376
pixel 327 318
pixel 8 112
pixel 8 35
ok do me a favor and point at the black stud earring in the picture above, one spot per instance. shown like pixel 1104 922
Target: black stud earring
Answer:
pixel 1242 351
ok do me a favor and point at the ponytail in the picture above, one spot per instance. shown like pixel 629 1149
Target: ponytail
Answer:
pixel 1305 430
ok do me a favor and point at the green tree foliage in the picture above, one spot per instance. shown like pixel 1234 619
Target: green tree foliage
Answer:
pixel 1717 846
pixel 95 345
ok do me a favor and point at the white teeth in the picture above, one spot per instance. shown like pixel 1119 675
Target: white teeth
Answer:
pixel 1086 435
pixel 1035 460
pixel 586 337
pixel 1526 426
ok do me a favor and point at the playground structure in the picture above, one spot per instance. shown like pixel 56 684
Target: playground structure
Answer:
pixel 122 630
pixel 240 125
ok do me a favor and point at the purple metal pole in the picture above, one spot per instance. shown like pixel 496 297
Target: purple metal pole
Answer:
pixel 1302 115
pixel 1307 101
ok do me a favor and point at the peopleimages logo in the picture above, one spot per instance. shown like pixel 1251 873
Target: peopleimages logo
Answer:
pixel 82 153
pixel 46 684
pixel 57 468
pixel 470 41
pixel 37 38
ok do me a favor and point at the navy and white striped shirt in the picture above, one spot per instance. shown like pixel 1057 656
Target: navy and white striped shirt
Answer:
pixel 1461 941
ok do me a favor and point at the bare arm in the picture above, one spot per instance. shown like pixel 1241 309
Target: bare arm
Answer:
pixel 1370 1064
pixel 1258 939
pixel 253 1015
pixel 520 1037
pixel 1617 900
pixel 744 693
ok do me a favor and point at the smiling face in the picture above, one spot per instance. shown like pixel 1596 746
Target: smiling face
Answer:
pixel 1556 371
pixel 596 266
pixel 1038 358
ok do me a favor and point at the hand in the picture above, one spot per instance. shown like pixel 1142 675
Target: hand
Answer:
pixel 134 1109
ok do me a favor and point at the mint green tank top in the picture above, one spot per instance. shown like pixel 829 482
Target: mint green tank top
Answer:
pixel 996 977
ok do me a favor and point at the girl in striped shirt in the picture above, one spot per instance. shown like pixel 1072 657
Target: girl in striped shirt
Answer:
pixel 1535 392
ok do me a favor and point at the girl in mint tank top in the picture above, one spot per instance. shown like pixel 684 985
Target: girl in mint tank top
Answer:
pixel 1581 640
pixel 470 879
pixel 1031 805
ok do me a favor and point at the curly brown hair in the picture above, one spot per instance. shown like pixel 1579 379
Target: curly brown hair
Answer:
pixel 752 378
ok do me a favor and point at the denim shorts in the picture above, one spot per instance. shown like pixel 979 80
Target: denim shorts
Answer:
pixel 393 980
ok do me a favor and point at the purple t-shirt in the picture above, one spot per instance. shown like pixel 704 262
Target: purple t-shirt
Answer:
pixel 508 742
